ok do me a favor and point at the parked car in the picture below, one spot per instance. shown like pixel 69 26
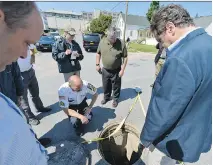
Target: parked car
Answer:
pixel 56 35
pixel 45 43
pixel 91 41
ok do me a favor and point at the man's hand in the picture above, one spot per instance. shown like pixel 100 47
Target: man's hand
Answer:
pixel 87 110
pixel 75 53
pixel 98 68
pixel 84 120
pixel 121 73
pixel 68 52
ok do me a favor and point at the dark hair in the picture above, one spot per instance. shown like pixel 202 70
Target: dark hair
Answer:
pixel 16 12
pixel 171 13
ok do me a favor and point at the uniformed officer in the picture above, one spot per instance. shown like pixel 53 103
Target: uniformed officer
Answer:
pixel 72 98
pixel 113 53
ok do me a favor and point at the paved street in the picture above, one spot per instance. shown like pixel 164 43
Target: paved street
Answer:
pixel 55 124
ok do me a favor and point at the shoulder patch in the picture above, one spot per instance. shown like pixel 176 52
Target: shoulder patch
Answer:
pixel 61 103
pixel 91 87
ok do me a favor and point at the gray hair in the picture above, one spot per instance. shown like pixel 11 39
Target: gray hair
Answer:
pixel 16 12
pixel 171 13
pixel 111 32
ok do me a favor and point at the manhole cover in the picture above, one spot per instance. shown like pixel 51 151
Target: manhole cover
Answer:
pixel 123 148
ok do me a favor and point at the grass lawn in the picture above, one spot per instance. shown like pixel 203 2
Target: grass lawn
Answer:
pixel 134 47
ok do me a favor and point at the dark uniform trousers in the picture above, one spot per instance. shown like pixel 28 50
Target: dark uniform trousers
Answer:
pixel 111 81
pixel 80 108
pixel 31 83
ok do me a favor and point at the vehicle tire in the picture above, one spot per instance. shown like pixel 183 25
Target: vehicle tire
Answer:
pixel 86 50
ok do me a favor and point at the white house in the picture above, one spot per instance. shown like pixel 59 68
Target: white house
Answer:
pixel 134 23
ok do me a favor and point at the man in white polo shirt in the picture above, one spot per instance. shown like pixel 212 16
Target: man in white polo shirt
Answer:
pixel 31 83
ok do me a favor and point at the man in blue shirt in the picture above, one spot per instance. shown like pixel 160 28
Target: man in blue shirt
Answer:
pixel 20 25
pixel 179 117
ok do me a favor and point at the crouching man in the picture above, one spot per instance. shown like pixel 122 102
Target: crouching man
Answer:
pixel 72 98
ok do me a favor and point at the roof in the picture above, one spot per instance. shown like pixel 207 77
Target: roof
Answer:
pixel 209 29
pixel 203 21
pixel 136 20
pixel 62 12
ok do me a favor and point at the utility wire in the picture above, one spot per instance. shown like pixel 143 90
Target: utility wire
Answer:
pixel 116 6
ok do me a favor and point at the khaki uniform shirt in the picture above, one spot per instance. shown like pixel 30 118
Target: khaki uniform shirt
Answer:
pixel 112 55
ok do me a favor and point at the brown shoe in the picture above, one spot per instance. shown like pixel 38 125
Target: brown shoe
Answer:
pixel 114 103
pixel 104 101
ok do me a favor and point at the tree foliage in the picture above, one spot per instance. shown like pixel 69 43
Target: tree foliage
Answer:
pixel 153 6
pixel 100 24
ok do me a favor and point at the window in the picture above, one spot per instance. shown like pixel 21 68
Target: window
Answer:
pixel 131 33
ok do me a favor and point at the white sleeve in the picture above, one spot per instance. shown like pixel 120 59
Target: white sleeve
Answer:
pixel 31 46
pixel 63 99
pixel 91 89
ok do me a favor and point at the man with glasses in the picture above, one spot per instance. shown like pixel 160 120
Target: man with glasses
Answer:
pixel 179 117
pixel 114 57
pixel 72 99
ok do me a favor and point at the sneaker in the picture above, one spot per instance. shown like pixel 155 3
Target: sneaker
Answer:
pixel 114 103
pixel 44 109
pixel 104 101
pixel 45 141
pixel 34 121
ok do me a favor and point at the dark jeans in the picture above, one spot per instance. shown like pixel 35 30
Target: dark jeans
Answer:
pixel 80 108
pixel 31 83
pixel 111 81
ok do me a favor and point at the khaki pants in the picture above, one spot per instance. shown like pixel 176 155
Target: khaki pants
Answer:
pixel 158 66
pixel 68 75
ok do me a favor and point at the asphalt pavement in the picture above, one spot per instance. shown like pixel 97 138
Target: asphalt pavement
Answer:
pixel 55 124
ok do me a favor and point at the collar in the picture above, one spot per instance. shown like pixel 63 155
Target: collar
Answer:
pixel 181 38
pixel 189 36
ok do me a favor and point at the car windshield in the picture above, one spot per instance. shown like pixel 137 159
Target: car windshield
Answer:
pixel 94 38
pixel 54 34
pixel 46 38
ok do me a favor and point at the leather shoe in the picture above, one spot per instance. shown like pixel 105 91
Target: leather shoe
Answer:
pixel 115 103
pixel 104 101
pixel 45 141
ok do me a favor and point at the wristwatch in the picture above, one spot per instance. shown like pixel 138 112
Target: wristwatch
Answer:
pixel 97 64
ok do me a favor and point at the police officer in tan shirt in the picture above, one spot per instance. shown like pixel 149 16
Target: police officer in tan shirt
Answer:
pixel 113 53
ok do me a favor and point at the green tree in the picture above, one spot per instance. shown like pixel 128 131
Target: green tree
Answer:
pixel 100 24
pixel 153 6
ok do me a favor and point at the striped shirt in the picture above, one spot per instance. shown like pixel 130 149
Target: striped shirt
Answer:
pixel 18 145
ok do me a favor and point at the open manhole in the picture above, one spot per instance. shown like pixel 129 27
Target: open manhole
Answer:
pixel 123 148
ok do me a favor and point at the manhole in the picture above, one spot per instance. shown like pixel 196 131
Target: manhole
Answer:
pixel 123 148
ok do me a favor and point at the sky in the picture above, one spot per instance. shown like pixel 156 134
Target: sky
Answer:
pixel 135 8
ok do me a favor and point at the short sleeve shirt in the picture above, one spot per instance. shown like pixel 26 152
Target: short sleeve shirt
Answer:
pixel 112 55
pixel 25 64
pixel 69 97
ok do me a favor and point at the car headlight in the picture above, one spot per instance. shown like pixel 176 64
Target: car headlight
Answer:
pixel 37 44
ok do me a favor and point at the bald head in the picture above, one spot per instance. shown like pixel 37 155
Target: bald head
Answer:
pixel 75 82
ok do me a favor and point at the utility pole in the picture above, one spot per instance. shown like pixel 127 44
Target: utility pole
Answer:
pixel 125 21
